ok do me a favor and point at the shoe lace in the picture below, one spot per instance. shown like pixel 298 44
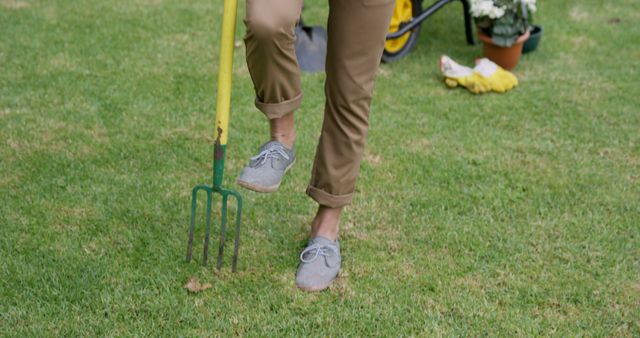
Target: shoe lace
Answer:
pixel 266 154
pixel 318 250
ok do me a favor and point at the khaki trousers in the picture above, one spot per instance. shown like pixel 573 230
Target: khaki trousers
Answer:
pixel 357 31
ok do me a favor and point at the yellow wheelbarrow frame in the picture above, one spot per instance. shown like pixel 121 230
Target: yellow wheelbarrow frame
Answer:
pixel 406 21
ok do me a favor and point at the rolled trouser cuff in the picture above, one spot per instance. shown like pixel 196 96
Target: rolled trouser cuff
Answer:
pixel 280 109
pixel 326 199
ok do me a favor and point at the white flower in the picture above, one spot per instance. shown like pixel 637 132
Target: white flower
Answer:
pixel 531 5
pixel 480 8
pixel 532 8
pixel 496 12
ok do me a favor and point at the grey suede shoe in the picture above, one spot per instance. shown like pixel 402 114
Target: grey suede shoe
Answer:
pixel 265 170
pixel 319 264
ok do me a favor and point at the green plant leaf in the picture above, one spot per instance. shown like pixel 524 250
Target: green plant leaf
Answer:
pixel 504 40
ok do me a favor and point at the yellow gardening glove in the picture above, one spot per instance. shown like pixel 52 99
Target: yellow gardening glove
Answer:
pixel 485 77
pixel 500 80
pixel 458 75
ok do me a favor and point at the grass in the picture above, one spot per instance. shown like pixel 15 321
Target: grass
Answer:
pixel 493 215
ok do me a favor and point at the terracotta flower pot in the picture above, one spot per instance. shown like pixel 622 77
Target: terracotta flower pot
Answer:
pixel 505 57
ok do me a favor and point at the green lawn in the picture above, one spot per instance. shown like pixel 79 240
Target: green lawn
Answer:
pixel 494 215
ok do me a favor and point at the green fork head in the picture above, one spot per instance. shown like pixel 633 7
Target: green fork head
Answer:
pixel 224 193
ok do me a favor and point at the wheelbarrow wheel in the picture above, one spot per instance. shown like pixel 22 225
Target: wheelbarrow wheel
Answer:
pixel 404 12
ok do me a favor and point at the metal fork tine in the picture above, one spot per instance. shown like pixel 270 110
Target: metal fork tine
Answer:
pixel 223 229
pixel 236 243
pixel 205 254
pixel 192 228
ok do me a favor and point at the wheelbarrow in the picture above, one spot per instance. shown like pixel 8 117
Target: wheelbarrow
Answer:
pixel 408 16
pixel 407 19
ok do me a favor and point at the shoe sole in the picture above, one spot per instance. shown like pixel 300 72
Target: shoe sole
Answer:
pixel 317 288
pixel 261 188
pixel 314 288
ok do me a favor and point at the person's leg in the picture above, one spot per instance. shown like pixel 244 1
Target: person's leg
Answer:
pixel 326 222
pixel 271 57
pixel 283 130
pixel 357 31
pixel 273 66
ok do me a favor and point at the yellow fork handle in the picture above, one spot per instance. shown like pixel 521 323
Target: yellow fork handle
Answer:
pixel 225 70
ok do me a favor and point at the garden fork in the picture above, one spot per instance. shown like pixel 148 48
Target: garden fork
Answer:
pixel 220 135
